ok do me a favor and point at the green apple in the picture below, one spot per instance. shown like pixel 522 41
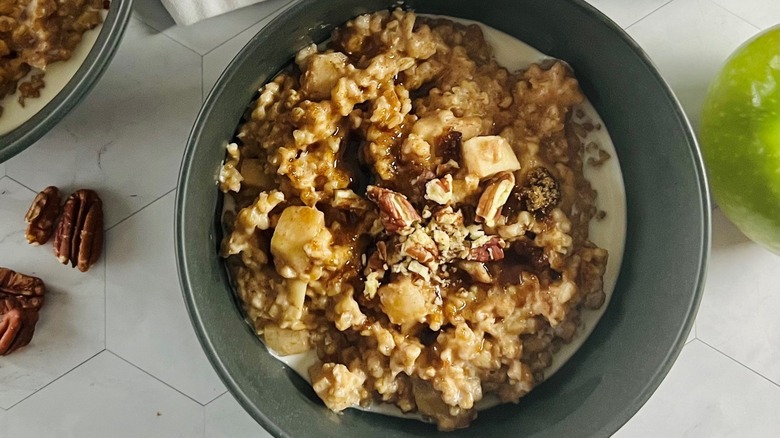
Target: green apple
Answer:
pixel 740 138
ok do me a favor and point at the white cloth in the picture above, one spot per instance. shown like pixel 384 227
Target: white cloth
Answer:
pixel 191 11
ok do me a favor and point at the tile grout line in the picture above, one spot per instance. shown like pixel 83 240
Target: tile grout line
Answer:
pixel 58 378
pixel 23 185
pixel 204 420
pixel 158 32
pixel 648 14
pixel 741 364
pixel 215 397
pixel 141 19
pixel 140 209
pixel 247 28
pixel 743 19
pixel 154 377
pixel 105 292
pixel 206 406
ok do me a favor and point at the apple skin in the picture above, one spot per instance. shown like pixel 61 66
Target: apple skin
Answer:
pixel 740 138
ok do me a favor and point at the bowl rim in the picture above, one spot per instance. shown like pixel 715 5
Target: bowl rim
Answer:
pixel 82 82
pixel 275 25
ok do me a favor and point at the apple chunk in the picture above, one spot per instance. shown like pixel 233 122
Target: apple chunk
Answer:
pixel 299 233
pixel 487 155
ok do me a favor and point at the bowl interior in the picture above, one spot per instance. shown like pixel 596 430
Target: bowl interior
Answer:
pixel 667 242
pixel 83 80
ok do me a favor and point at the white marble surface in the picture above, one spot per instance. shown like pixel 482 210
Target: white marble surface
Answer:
pixel 106 396
pixel 146 321
pixel 114 353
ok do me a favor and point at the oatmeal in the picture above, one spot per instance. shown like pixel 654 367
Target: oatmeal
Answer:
pixel 416 214
pixel 37 33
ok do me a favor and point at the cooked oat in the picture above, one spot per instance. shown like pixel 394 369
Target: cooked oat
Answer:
pixel 417 214
pixel 37 33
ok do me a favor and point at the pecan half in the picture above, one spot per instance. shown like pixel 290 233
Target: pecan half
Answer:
pixel 395 211
pixel 79 236
pixel 494 197
pixel 42 215
pixel 489 251
pixel 21 296
pixel 16 284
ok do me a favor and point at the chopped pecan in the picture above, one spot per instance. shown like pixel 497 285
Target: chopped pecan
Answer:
pixel 349 200
pixel 439 190
pixel 420 247
pixel 421 254
pixel 450 167
pixel 378 259
pixel 476 270
pixel 541 193
pixel 395 211
pixel 21 296
pixel 42 215
pixel 79 236
pixel 494 197
pixel 489 251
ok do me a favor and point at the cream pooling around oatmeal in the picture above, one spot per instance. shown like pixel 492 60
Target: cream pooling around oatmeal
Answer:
pixel 57 76
pixel 609 233
pixel 605 178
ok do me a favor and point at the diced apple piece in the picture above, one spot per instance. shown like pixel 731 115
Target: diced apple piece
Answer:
pixel 284 341
pixel 254 176
pixel 323 71
pixel 296 295
pixel 287 308
pixel 404 301
pixel 297 227
pixel 431 128
pixel 487 155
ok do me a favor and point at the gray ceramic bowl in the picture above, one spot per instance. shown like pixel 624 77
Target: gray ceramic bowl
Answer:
pixel 77 88
pixel 660 283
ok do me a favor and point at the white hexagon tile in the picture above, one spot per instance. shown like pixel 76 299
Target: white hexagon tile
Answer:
pixel 207 35
pixel 115 353
pixel 722 399
pixel 760 13
pixel 738 314
pixel 71 328
pixel 106 397
pixel 688 40
pixel 215 61
pixel 147 322
pixel 626 13
pixel 225 418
